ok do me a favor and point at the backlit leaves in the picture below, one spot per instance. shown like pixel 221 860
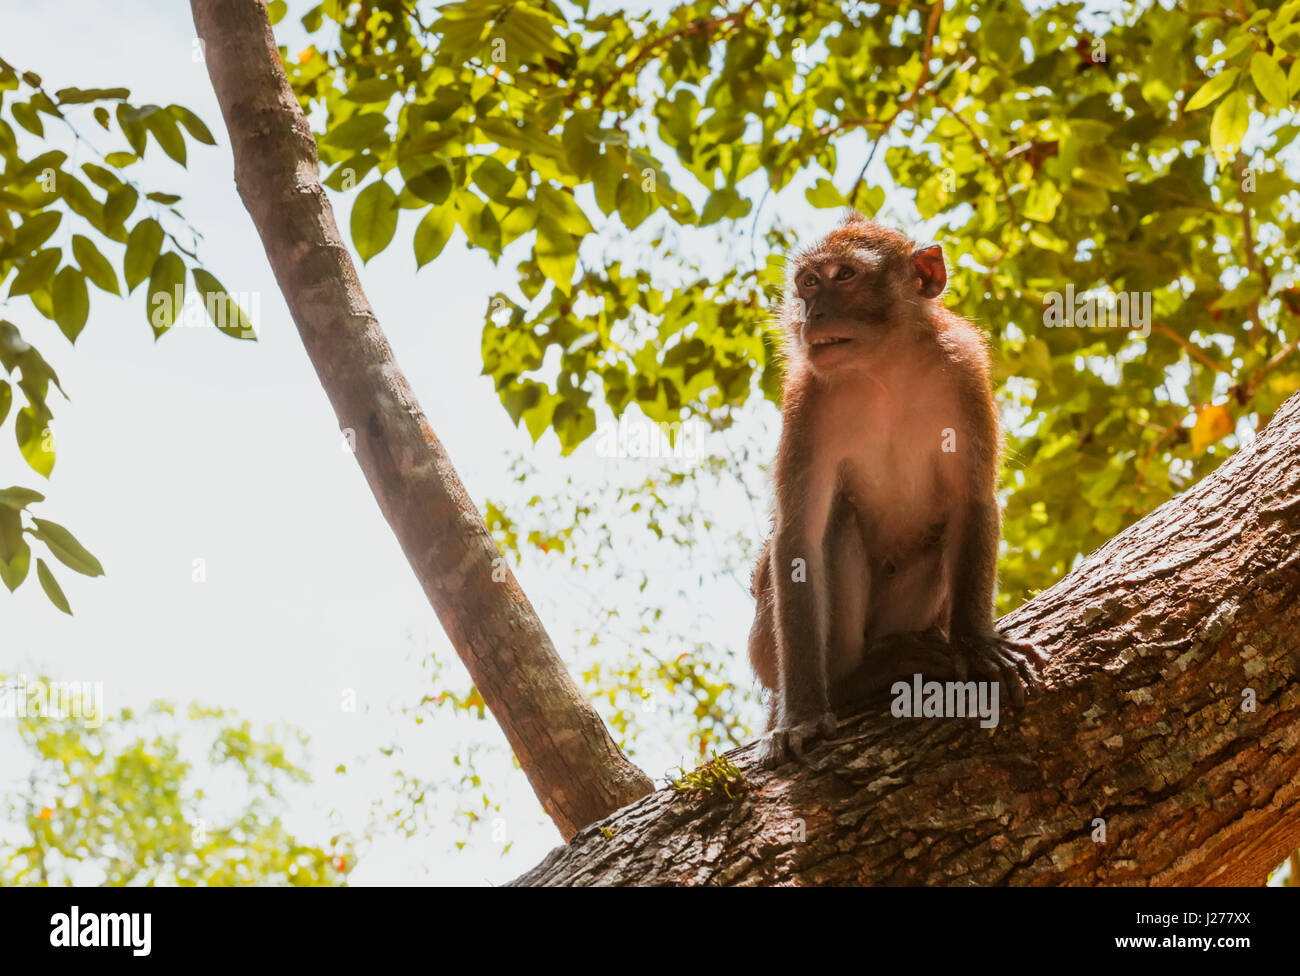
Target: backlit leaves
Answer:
pixel 1049 153
pixel 118 797
pixel 165 296
pixel 221 307
pixel 374 219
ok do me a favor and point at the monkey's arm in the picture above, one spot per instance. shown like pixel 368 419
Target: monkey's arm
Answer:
pixel 974 578
pixel 971 631
pixel 798 575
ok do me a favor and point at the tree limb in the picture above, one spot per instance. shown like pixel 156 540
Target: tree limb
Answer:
pixel 575 768
pixel 1159 640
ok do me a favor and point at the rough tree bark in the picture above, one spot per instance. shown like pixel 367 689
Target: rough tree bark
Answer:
pixel 575 768
pixel 1160 641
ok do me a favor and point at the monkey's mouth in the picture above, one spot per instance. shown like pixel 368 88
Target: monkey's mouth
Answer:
pixel 823 341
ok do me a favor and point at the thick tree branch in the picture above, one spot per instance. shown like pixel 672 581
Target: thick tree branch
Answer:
pixel 1161 640
pixel 577 771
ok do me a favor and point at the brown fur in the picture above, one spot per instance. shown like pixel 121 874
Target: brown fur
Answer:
pixel 897 536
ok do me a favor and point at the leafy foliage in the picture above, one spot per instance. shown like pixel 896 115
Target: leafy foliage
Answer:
pixel 157 798
pixel 1137 151
pixel 42 258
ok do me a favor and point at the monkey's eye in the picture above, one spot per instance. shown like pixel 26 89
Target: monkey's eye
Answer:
pixel 844 273
pixel 811 281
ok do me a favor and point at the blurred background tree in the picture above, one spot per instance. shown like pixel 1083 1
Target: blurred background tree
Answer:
pixel 157 797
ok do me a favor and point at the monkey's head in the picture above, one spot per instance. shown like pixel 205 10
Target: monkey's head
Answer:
pixel 856 287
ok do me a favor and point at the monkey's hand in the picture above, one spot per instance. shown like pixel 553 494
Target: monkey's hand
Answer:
pixel 788 741
pixel 1016 665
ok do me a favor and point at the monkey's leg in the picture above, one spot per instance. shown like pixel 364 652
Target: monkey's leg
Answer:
pixel 762 653
pixel 976 643
pixel 762 635
pixel 850 594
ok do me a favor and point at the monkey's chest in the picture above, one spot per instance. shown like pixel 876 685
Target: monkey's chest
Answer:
pixel 901 464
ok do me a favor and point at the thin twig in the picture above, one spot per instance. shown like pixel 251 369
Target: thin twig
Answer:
pixel 1012 217
pixel 1193 351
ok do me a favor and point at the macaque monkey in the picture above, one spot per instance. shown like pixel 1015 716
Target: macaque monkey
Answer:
pixel 883 557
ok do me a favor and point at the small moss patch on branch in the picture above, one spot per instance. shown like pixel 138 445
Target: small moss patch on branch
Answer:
pixel 717 776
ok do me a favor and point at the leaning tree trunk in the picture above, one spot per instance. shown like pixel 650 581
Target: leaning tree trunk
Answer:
pixel 575 768
pixel 1172 721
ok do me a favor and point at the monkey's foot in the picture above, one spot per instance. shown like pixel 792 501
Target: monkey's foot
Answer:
pixel 784 743
pixel 1016 665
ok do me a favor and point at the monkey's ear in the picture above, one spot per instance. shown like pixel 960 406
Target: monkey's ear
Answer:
pixel 931 274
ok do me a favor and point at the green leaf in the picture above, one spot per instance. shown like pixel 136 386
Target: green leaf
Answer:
pixel 1270 79
pixel 193 124
pixel 494 178
pixel 433 233
pixel 36 230
pixel 427 177
pixel 1228 127
pixel 224 312
pixel 166 293
pixel 1212 89
pixel 71 302
pixel 103 178
pixel 555 254
pixel 14 570
pixel 51 587
pixel 1042 201
pixel 80 96
pixel 564 210
pixel 486 231
pixel 371 91
pixel 1236 46
pixel 94 265
pixel 142 250
pixel 119 205
pixel 824 196
pixel 167 134
pixel 15 553
pixel 35 441
pixel 374 219
pixel 26 116
pixel 718 203
pixel 359 132
pixel 18 498
pixel 65 547
pixel 36 272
